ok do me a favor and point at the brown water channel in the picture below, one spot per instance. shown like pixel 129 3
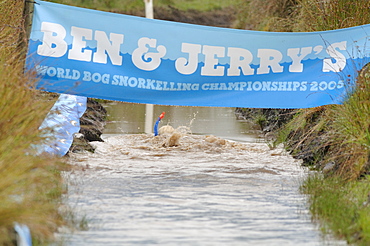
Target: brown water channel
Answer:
pixel 226 189
pixel 127 118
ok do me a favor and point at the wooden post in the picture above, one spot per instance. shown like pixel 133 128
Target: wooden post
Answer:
pixel 149 108
pixel 27 22
pixel 27 15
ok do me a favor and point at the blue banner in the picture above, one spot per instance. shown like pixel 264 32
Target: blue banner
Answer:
pixel 132 59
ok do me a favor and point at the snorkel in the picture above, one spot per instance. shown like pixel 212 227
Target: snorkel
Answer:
pixel 157 122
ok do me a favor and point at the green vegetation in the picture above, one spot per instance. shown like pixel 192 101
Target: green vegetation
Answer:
pixel 137 6
pixel 301 15
pixel 30 186
pixel 334 139
pixel 341 132
pixel 344 128
pixel 266 15
pixel 344 206
pixel 349 136
pixel 320 15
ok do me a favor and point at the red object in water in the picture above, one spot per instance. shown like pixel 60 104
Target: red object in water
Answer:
pixel 157 122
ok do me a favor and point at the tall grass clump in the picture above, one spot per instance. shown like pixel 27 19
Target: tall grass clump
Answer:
pixel 30 186
pixel 348 136
pixel 301 15
pixel 349 133
pixel 266 15
pixel 336 138
pixel 138 6
pixel 321 15
pixel 340 132
pixel 341 208
pixel 333 139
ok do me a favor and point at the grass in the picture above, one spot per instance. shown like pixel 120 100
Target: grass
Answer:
pixel 313 15
pixel 30 186
pixel 340 207
pixel 349 134
pixel 345 127
pixel 134 6
pixel 266 15
pixel 301 15
pixel 337 134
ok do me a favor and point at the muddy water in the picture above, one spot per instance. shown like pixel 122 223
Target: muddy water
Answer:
pixel 181 188
pixel 130 119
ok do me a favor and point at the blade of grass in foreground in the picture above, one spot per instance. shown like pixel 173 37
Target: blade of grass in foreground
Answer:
pixel 30 186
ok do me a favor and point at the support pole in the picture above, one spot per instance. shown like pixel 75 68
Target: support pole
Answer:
pixel 149 108
pixel 27 22
pixel 149 9
pixel 27 16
